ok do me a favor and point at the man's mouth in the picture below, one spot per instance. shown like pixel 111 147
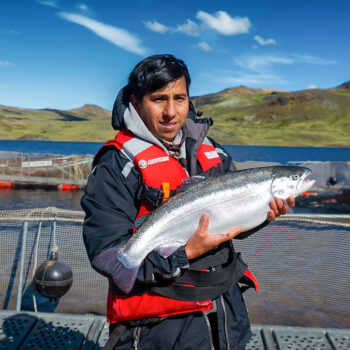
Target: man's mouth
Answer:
pixel 168 125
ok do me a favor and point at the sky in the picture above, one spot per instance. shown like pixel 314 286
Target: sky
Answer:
pixel 64 54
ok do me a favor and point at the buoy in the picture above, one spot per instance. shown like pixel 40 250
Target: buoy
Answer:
pixel 309 193
pixel 53 278
pixel 6 184
pixel 65 187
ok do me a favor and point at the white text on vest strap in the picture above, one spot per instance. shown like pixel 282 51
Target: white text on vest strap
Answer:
pixel 211 154
pixel 158 160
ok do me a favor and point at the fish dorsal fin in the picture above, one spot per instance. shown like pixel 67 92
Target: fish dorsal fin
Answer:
pixel 189 182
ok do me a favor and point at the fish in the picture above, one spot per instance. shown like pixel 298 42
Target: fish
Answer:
pixel 234 199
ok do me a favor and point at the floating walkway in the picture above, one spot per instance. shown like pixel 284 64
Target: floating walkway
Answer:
pixel 29 330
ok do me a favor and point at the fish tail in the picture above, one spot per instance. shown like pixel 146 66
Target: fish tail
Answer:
pixel 124 277
pixel 108 263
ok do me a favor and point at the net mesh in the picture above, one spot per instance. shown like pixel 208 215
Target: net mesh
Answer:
pixel 302 263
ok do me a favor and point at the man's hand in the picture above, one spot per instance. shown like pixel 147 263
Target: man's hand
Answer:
pixel 201 241
pixel 278 207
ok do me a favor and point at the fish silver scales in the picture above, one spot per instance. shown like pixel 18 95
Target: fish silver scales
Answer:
pixel 234 199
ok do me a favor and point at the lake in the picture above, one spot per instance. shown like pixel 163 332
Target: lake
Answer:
pixel 26 198
pixel 239 153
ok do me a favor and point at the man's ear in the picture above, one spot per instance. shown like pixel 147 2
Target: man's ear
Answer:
pixel 135 102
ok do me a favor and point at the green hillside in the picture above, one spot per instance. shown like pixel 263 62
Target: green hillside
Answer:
pixel 241 116
pixel 88 123
pixel 266 117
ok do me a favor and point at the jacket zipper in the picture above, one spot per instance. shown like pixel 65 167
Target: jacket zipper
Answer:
pixel 205 313
pixel 225 323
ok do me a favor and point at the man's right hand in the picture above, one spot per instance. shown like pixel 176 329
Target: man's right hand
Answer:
pixel 201 241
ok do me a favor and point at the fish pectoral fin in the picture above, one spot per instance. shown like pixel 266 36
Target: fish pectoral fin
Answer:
pixel 140 221
pixel 167 251
pixel 289 209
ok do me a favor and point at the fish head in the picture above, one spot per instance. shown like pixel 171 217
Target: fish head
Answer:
pixel 290 181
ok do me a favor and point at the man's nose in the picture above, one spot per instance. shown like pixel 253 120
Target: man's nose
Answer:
pixel 170 109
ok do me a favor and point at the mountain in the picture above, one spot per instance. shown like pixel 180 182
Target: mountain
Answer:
pixel 270 117
pixel 87 123
pixel 241 116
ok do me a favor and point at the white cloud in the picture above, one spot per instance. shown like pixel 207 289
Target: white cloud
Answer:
pixel 224 24
pixel 189 28
pixel 6 64
pixel 241 78
pixel 204 46
pixel 313 60
pixel 82 7
pixel 156 26
pixel 312 86
pixel 262 41
pixel 115 35
pixel 50 3
pixel 262 63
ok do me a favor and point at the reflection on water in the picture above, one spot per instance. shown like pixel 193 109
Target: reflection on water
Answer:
pixel 39 198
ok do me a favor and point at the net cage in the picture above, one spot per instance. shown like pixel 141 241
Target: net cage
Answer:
pixel 302 263
pixel 45 170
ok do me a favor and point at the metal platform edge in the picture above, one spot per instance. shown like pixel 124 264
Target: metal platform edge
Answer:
pixel 30 330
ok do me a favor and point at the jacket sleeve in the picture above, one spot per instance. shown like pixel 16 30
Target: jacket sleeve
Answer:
pixel 111 207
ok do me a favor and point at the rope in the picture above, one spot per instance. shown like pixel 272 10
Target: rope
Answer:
pixel 315 221
pixel 35 265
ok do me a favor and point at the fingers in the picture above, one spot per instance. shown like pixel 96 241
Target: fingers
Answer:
pixel 224 237
pixel 233 233
pixel 291 201
pixel 279 207
pixel 203 224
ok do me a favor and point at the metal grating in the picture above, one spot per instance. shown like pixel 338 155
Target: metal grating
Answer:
pixel 340 340
pixel 298 339
pixel 102 340
pixel 14 328
pixel 256 341
pixel 58 332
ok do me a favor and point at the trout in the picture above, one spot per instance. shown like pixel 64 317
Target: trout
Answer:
pixel 239 198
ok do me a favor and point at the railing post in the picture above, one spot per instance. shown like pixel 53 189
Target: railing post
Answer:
pixel 21 269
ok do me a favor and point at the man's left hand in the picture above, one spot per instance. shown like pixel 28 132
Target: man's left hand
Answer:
pixel 279 207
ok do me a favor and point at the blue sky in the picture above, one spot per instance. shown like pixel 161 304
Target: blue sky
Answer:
pixel 63 54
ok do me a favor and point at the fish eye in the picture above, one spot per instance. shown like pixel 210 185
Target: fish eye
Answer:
pixel 295 176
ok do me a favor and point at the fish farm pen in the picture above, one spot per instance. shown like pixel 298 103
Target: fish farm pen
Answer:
pixel 302 263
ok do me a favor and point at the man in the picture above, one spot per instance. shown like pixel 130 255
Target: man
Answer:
pixel 190 300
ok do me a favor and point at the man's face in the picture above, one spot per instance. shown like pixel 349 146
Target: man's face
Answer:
pixel 164 111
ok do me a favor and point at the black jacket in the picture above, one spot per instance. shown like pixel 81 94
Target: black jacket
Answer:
pixel 111 206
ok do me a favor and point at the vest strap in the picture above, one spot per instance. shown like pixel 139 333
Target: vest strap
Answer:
pixel 208 285
pixel 152 195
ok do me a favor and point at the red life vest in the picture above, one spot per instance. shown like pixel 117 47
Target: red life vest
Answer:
pixel 161 171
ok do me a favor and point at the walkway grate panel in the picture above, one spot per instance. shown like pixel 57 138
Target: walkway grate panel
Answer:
pixel 340 339
pixel 297 339
pixel 256 341
pixel 14 328
pixel 58 332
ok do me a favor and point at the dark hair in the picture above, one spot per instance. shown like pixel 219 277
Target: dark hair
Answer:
pixel 154 73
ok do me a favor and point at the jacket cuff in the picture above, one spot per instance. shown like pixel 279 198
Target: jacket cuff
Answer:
pixel 180 258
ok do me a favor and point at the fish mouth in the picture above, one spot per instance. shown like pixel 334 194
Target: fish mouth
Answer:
pixel 304 183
